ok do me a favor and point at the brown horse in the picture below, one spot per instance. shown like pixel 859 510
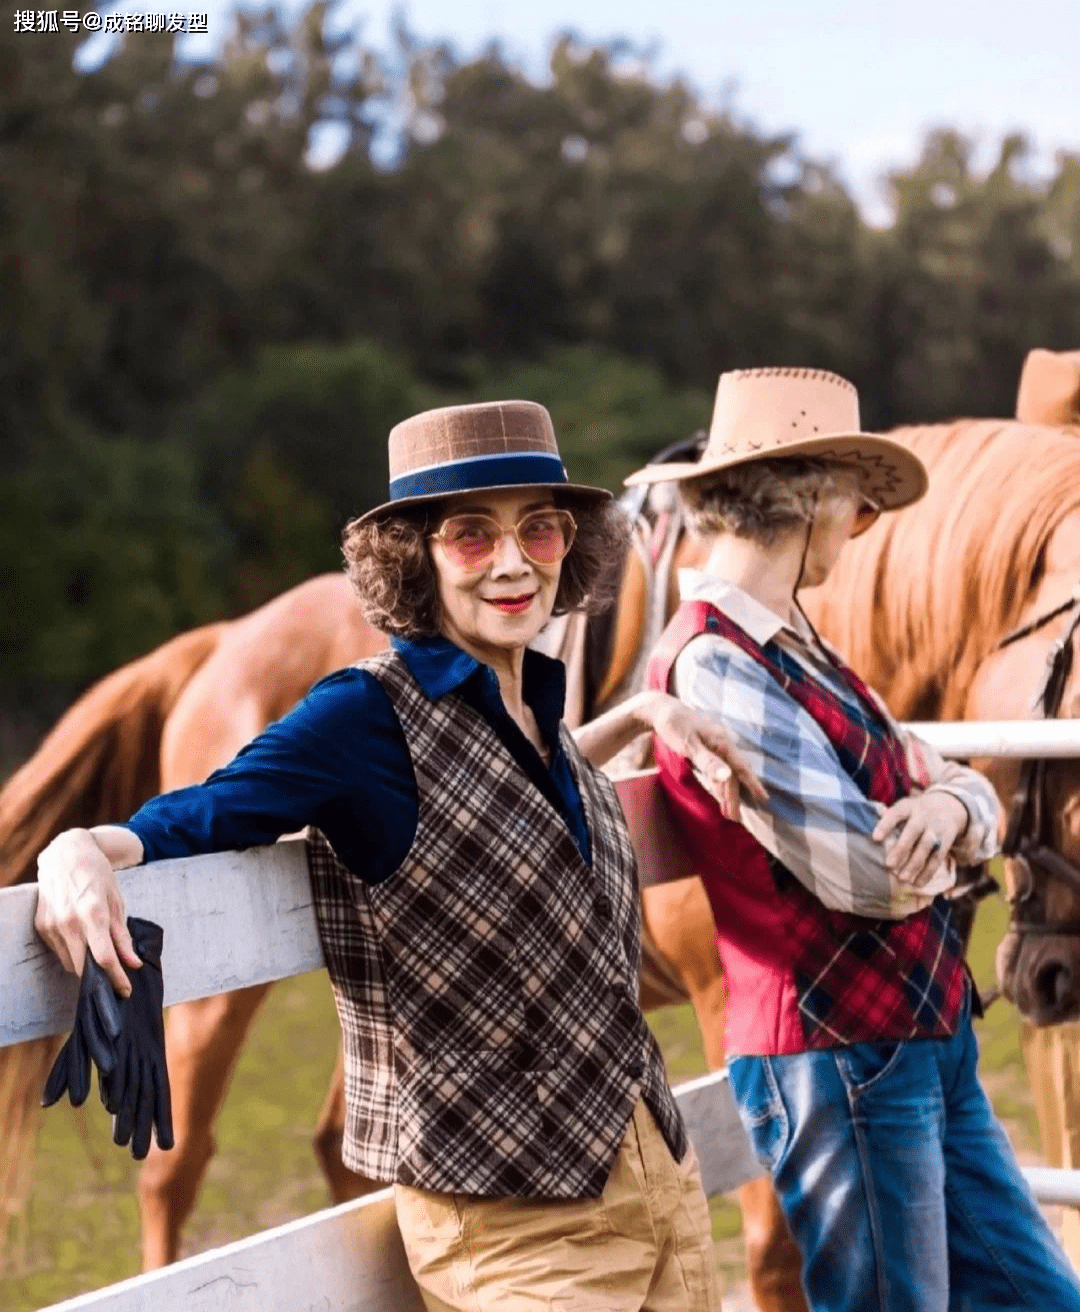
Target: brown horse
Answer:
pixel 944 582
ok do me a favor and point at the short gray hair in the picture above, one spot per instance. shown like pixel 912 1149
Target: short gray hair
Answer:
pixel 762 498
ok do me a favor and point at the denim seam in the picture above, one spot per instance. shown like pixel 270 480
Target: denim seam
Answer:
pixel 779 1114
pixel 871 1204
pixel 956 1197
pixel 775 1113
pixel 853 1088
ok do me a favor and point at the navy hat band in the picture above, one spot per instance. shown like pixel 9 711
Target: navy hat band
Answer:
pixel 509 469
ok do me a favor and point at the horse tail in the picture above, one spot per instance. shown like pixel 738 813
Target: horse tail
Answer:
pixel 99 763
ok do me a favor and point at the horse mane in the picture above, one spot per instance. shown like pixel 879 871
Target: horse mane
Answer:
pixel 936 588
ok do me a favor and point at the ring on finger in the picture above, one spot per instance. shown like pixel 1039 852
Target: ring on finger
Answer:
pixel 935 846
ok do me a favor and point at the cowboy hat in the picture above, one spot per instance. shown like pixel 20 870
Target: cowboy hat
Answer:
pixel 771 413
pixel 469 448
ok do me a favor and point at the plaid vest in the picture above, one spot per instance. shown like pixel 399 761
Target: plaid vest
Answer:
pixel 800 976
pixel 488 990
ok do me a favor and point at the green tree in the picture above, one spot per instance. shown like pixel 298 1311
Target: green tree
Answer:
pixel 606 207
pixel 189 300
pixel 973 273
pixel 288 449
pixel 105 552
pixel 611 414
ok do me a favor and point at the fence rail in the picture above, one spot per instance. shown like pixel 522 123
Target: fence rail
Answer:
pixel 970 739
pixel 241 918
pixel 230 920
pixel 350 1258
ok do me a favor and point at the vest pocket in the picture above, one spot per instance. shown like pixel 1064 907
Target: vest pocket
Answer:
pixel 519 1055
pixel 452 1099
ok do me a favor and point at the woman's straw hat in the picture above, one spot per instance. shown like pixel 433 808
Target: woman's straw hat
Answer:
pixel 769 413
pixel 469 448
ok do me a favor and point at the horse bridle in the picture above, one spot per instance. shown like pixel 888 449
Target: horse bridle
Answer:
pixel 1026 838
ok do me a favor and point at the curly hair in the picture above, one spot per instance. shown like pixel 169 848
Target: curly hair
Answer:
pixel 763 498
pixel 389 564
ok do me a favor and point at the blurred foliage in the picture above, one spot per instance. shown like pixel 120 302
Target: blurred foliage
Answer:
pixel 220 285
pixel 974 272
pixel 287 449
pixel 612 414
pixel 104 549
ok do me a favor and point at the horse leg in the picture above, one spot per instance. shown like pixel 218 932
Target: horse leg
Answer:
pixel 681 923
pixel 329 1134
pixel 773 1260
pixel 1052 1058
pixel 202 1043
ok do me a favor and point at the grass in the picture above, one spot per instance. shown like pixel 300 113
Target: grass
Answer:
pixel 83 1225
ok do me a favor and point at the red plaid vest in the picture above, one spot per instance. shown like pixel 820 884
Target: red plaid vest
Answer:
pixel 798 975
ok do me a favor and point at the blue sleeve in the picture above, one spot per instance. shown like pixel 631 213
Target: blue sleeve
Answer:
pixel 338 760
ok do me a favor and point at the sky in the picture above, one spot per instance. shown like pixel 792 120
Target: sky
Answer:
pixel 860 80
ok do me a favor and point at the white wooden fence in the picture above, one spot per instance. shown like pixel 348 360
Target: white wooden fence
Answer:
pixel 347 1258
pixel 971 739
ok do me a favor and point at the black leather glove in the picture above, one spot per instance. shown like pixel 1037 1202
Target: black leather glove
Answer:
pixel 136 1088
pixel 97 1025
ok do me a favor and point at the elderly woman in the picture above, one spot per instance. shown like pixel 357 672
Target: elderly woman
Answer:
pixel 475 889
pixel 851 1052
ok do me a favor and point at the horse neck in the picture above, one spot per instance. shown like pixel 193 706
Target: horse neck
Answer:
pixel 660 548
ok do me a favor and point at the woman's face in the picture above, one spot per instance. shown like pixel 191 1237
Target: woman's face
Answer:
pixel 502 604
pixel 842 514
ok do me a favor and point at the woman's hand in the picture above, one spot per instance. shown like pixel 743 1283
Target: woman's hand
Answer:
pixel 79 905
pixel 929 824
pixel 708 747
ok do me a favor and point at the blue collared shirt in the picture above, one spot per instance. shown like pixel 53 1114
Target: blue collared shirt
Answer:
pixel 339 761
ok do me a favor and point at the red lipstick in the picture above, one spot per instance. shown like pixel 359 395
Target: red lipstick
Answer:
pixel 512 605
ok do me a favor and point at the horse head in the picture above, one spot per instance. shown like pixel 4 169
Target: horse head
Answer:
pixel 1038 960
pixel 965 606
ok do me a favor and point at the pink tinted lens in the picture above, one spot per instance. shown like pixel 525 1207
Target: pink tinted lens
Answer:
pixel 470 539
pixel 546 536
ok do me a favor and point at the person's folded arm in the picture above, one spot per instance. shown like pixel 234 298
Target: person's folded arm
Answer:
pixel 930 772
pixel 980 840
pixel 815 820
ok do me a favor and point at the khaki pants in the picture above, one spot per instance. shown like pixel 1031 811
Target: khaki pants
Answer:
pixel 1052 1057
pixel 645 1245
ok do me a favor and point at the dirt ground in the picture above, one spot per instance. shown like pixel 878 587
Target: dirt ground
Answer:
pixel 82 1228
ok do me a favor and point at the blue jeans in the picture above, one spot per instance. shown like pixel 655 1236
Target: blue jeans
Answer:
pixel 897 1181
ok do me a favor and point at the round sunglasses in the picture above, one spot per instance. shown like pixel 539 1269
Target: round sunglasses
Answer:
pixel 472 541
